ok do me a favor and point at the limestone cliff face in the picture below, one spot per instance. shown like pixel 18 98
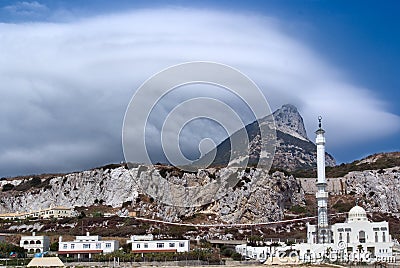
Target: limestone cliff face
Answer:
pixel 379 190
pixel 256 197
pixel 113 186
pixel 376 190
pixel 250 200
pixel 288 120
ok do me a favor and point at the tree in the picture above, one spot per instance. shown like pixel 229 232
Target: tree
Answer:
pixel 54 246
pixel 236 256
pixel 127 248
pixel 7 248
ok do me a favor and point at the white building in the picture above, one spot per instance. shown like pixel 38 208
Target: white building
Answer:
pixel 146 244
pixel 83 247
pixel 35 243
pixel 52 212
pixel 357 239
pixel 354 240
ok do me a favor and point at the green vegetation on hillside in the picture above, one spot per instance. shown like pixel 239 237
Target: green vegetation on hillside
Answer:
pixel 377 162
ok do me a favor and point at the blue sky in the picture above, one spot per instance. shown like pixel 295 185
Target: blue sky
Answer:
pixel 60 108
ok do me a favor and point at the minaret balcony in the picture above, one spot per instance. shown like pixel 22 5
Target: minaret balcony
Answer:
pixel 321 195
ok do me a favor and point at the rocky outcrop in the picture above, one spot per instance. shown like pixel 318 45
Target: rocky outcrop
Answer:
pixel 256 196
pixel 288 120
pixel 111 186
pixel 294 151
pixel 375 190
pixel 379 190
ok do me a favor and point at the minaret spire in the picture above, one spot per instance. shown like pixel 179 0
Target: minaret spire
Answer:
pixel 320 122
pixel 324 233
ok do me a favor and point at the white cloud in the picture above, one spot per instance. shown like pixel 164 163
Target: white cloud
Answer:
pixel 69 83
pixel 25 8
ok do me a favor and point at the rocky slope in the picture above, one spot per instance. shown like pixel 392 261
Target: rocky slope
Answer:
pixel 294 150
pixel 257 196
pixel 288 120
pixel 378 190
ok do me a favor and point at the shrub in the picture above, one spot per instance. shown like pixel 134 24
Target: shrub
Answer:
pixel 7 187
pixel 298 209
pixel 236 256
pixel 227 252
pixel 54 246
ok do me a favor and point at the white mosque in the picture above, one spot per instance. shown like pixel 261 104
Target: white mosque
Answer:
pixel 357 239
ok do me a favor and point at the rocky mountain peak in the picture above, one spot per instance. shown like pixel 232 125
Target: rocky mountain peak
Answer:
pixel 288 120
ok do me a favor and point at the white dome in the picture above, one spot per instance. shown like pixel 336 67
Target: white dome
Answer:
pixel 357 213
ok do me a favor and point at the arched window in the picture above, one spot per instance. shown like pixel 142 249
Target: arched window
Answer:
pixel 340 237
pixel 361 236
pixel 26 242
pixel 383 237
pixel 348 237
pixel 376 237
pixel 32 242
pixel 38 242
pixel 37 250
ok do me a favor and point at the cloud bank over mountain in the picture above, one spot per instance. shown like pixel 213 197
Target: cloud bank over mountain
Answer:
pixel 66 85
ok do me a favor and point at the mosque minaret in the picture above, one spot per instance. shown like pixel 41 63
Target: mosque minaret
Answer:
pixel 356 239
pixel 324 233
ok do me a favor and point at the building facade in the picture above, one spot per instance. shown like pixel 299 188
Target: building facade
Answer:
pixel 52 212
pixel 146 244
pixel 84 247
pixel 35 243
pixel 356 239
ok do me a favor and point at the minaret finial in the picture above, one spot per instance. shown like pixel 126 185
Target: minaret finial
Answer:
pixel 320 121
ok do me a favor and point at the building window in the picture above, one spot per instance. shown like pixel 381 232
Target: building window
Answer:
pixel 146 245
pixel 86 245
pixel 347 229
pixel 108 245
pixel 98 245
pixel 26 242
pixel 361 236
pixel 383 237
pixel 65 246
pixel 137 245
pixel 376 237
pixel 72 246
pixel 348 238
pixel 160 245
pixel 171 245
pixel 181 244
pixel 383 229
pixel 38 242
pixel 340 237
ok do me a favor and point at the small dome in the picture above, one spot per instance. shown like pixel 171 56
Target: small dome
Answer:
pixel 357 213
